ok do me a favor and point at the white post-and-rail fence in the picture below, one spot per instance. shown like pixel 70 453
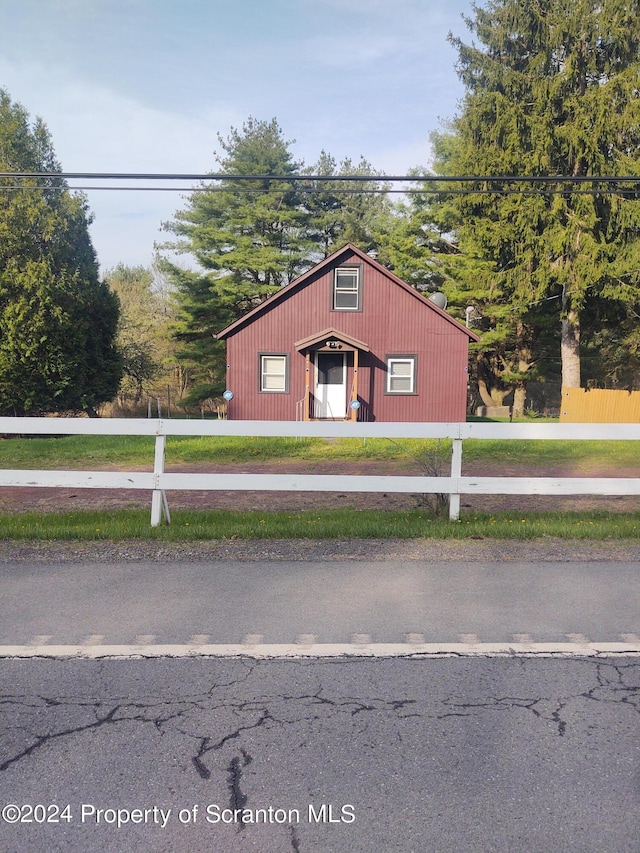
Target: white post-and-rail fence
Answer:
pixel 159 482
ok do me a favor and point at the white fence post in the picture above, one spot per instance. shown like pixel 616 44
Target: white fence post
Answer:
pixel 456 473
pixel 158 482
pixel 159 503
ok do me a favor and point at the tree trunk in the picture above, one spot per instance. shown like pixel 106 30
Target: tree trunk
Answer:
pixel 490 396
pixel 570 350
pixel 524 365
pixel 519 399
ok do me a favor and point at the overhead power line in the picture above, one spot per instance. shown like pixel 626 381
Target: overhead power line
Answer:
pixel 553 191
pixel 435 184
pixel 225 176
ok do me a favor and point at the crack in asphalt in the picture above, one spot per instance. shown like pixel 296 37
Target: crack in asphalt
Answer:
pixel 236 729
pixel 615 683
pixel 508 703
pixel 295 841
pixel 178 712
pixel 611 678
pixel 611 688
pixel 206 744
pixel 237 798
pixel 43 740
pixel 111 717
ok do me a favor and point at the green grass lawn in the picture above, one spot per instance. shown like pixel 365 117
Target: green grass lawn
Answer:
pixel 80 451
pixel 318 524
pixel 96 452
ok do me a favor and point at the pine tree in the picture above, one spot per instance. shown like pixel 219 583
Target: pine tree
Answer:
pixel 57 319
pixel 551 90
pixel 251 237
pixel 342 211
pixel 247 238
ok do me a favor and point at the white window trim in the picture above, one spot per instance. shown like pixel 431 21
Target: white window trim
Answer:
pixel 406 359
pixel 285 373
pixel 357 289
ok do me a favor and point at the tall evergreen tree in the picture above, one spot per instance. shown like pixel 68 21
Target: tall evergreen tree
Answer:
pixel 417 242
pixel 57 319
pixel 247 238
pixel 343 211
pixel 551 90
pixel 516 328
pixel 251 237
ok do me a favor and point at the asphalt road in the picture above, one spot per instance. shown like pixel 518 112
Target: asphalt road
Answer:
pixel 427 754
pixel 502 755
pixel 227 600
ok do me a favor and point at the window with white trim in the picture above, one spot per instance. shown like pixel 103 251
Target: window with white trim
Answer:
pixel 401 374
pixel 347 289
pixel 274 373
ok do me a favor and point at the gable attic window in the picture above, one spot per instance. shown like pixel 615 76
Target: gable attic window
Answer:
pixel 347 289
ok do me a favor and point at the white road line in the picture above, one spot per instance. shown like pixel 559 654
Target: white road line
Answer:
pixel 415 639
pixel 630 638
pixel 525 639
pixel 94 640
pixel 200 639
pixel 579 639
pixel 325 650
pixel 360 640
pixel 253 639
pixel 470 639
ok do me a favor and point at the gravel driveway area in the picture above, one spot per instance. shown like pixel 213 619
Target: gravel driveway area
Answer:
pixel 309 550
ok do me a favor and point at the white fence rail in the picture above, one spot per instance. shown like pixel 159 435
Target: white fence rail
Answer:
pixel 159 482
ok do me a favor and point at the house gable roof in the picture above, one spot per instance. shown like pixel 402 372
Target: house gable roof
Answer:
pixel 331 332
pixel 328 262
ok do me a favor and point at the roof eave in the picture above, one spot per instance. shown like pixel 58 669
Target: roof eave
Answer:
pixel 286 290
pixel 348 247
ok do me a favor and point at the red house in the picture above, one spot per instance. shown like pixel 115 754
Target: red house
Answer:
pixel 348 340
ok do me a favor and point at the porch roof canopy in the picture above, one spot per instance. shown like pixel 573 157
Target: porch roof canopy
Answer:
pixel 321 339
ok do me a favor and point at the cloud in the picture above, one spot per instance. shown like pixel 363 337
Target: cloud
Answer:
pixel 346 52
pixel 95 129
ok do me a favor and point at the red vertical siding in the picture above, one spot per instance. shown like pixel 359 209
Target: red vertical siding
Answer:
pixel 392 321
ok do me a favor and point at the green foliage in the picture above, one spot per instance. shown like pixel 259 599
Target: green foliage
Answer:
pixel 57 320
pixel 144 336
pixel 339 212
pixel 247 234
pixel 250 238
pixel 551 90
pixel 247 240
pixel 343 523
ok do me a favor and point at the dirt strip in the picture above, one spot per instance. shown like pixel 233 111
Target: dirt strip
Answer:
pixel 364 550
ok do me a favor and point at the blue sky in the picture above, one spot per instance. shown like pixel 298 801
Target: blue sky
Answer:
pixel 147 85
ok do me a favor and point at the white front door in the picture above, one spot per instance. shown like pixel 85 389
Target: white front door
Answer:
pixel 330 390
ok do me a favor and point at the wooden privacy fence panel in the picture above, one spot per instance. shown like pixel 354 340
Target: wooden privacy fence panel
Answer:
pixel 159 482
pixel 599 405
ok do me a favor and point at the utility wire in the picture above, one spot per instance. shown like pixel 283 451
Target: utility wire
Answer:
pixel 334 191
pixel 223 176
pixel 500 185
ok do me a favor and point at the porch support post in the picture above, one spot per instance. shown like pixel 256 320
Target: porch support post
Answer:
pixel 307 387
pixel 354 392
